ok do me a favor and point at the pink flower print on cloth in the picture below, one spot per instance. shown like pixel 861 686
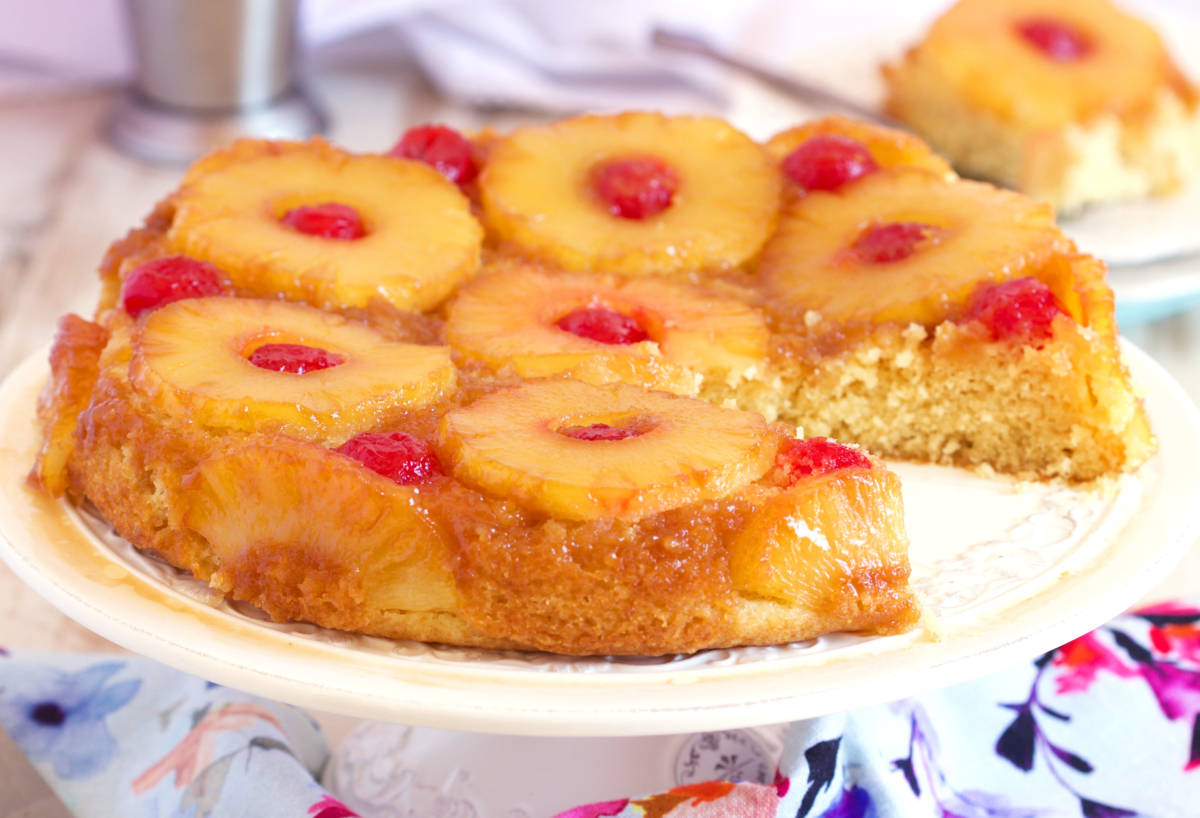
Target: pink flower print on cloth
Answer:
pixel 330 807
pixel 707 799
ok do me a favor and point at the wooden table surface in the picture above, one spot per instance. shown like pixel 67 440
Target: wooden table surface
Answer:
pixel 67 194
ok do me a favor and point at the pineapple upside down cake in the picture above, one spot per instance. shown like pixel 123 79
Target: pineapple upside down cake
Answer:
pixel 1069 101
pixel 545 390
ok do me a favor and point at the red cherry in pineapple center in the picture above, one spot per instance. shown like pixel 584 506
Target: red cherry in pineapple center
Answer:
pixel 636 187
pixel 444 149
pixel 164 280
pixel 395 455
pixel 330 220
pixel 1021 309
pixel 1060 41
pixel 893 241
pixel 599 431
pixel 293 358
pixel 828 161
pixel 603 325
pixel 817 455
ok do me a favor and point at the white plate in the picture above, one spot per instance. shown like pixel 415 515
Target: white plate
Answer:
pixel 1007 570
pixel 1138 233
pixel 1155 290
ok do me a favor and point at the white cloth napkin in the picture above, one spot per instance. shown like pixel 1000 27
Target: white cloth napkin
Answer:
pixel 535 54
pixel 561 56
pixel 553 55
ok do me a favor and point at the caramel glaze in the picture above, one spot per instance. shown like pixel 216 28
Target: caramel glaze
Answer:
pixel 658 584
pixel 74 365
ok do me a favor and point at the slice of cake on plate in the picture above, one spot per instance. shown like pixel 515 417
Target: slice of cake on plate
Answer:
pixel 1069 101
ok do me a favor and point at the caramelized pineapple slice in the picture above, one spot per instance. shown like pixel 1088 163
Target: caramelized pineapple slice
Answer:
pixel 196 359
pixel 376 226
pixel 306 533
pixel 577 451
pixel 604 329
pixel 799 547
pixel 631 193
pixel 888 147
pixel 904 245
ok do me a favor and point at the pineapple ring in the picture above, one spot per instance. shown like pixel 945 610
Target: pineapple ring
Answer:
pixel 506 319
pixel 986 234
pixel 536 193
pixel 889 147
pixel 190 359
pixel 421 237
pixel 360 536
pixel 685 450
pixel 1125 67
pixel 780 555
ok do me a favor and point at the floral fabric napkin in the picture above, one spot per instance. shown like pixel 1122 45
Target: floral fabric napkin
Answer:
pixel 1106 726
pixel 1103 727
pixel 116 736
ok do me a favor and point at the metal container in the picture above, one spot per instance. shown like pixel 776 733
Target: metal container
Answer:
pixel 209 71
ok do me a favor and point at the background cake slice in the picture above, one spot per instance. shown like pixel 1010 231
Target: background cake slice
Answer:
pixel 1070 101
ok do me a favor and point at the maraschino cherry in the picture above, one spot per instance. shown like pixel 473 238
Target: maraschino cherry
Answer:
pixel 330 220
pixel 603 325
pixel 828 161
pixel 1020 309
pixel 817 455
pixel 396 455
pixel 1058 40
pixel 293 358
pixel 598 431
pixel 164 280
pixel 635 188
pixel 442 148
pixel 892 241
